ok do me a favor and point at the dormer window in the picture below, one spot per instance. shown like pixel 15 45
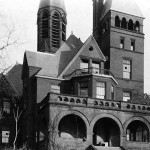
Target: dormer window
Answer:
pixel 84 65
pixel 96 67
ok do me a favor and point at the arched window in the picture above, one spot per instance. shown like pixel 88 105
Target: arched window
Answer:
pixel 137 26
pixel 44 25
pixel 130 25
pixel 124 23
pixel 55 30
pixel 117 21
pixel 64 29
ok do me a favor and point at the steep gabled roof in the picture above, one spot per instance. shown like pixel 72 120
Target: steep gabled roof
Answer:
pixel 13 77
pixel 5 87
pixel 96 53
pixel 124 6
pixel 52 65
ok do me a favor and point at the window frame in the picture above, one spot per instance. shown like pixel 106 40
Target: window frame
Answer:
pixel 83 86
pixel 101 90
pixel 5 138
pixel 122 41
pixel 96 67
pixel 127 69
pixel 84 65
pixel 112 92
pixel 125 97
pixel 132 47
pixel 55 88
pixel 6 105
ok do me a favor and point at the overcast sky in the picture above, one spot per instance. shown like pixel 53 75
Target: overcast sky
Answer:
pixel 23 14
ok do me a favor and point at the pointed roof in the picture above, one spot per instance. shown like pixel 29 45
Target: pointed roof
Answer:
pixel 11 83
pixel 51 65
pixel 54 3
pixel 124 6
pixel 84 50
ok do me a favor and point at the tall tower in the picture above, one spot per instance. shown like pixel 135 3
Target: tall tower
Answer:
pixel 121 39
pixel 51 24
pixel 97 11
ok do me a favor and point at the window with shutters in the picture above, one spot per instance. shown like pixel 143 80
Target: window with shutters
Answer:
pixel 101 90
pixel 56 30
pixel 126 69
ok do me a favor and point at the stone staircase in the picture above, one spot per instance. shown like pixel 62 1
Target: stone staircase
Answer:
pixel 107 148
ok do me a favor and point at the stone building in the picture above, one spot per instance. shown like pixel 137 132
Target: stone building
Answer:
pixel 83 95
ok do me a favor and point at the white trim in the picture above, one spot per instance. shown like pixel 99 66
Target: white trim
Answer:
pixel 46 77
pixel 106 76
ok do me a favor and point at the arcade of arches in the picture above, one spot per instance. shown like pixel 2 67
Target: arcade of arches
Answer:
pixel 106 131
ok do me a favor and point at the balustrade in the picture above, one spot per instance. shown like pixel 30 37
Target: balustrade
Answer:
pixel 98 103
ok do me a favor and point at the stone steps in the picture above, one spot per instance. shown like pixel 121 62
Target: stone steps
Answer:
pixel 107 148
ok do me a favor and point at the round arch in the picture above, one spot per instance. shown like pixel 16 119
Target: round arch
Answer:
pixel 103 134
pixel 136 118
pixel 98 117
pixel 77 113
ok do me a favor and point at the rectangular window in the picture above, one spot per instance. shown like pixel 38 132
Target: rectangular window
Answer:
pixel 84 65
pixel 126 69
pixel 112 92
pixel 96 67
pixel 83 89
pixel 126 96
pixel 6 106
pixel 132 45
pixel 55 89
pixel 5 136
pixel 100 90
pixel 122 43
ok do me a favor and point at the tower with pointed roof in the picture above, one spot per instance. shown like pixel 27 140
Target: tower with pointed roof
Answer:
pixel 118 29
pixel 51 24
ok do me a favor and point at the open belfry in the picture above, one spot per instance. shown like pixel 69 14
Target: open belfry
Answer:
pixel 87 95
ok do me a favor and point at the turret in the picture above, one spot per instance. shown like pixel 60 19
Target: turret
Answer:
pixel 51 24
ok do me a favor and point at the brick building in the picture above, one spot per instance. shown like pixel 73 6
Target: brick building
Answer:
pixel 10 98
pixel 87 95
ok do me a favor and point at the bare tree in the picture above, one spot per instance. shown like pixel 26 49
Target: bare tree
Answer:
pixel 17 115
pixel 10 37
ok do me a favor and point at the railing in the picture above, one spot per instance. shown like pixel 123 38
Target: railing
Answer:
pixel 88 71
pixel 97 103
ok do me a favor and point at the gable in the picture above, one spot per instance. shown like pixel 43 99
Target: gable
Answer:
pixel 90 49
